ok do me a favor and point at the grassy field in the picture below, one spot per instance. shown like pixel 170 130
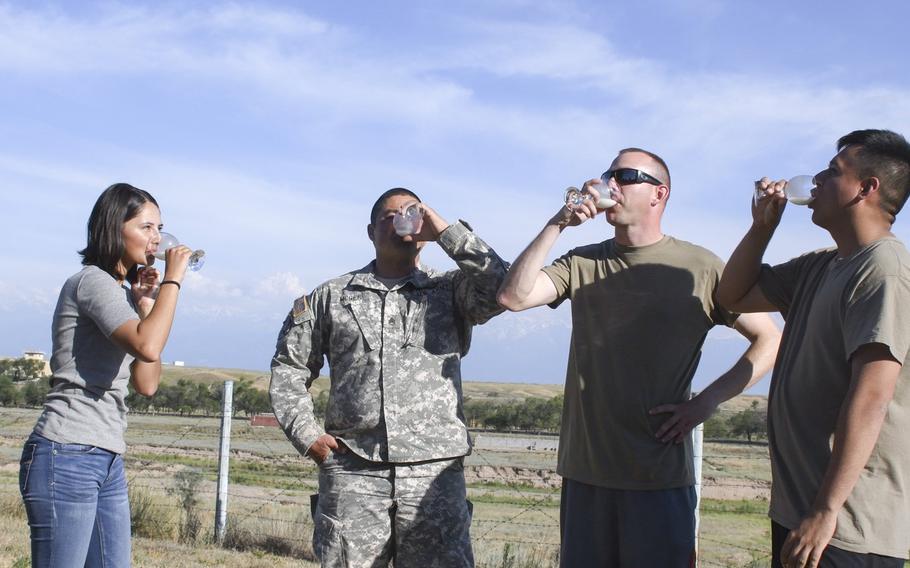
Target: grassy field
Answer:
pixel 515 496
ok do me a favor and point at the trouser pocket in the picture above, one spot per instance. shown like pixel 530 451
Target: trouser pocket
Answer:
pixel 25 465
pixel 328 541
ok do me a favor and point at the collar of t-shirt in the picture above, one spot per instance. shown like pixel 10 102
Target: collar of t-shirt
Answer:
pixel 630 249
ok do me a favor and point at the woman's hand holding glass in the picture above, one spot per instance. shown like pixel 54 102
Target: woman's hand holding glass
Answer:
pixel 145 289
pixel 176 261
pixel 169 241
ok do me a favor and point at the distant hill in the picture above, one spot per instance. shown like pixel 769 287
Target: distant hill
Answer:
pixel 505 392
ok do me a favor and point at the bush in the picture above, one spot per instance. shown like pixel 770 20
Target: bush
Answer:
pixel 187 490
pixel 148 519
pixel 282 538
pixel 529 414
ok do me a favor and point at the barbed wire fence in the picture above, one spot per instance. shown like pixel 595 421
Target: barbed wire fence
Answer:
pixel 511 481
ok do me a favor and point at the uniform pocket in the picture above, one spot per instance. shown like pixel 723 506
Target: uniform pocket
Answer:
pixel 328 540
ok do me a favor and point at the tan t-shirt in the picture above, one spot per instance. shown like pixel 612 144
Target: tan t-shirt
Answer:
pixel 832 307
pixel 639 318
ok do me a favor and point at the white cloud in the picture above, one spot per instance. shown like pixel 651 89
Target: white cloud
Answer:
pixel 14 297
pixel 281 284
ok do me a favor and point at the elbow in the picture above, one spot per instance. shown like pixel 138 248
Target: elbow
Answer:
pixel 508 301
pixel 148 352
pixel 146 390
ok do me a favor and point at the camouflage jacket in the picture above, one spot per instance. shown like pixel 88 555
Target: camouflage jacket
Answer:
pixel 394 355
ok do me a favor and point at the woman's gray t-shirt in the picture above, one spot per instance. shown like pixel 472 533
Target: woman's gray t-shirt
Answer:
pixel 90 374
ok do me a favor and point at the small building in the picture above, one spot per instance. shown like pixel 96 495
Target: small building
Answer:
pixel 264 420
pixel 179 364
pixel 38 356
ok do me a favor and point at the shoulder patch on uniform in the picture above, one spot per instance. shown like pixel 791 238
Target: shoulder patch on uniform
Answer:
pixel 301 311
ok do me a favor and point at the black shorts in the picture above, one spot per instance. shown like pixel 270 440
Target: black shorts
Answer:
pixel 602 527
pixel 832 557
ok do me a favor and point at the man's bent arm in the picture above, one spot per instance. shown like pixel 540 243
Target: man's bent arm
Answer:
pixel 872 385
pixel 764 339
pixel 295 365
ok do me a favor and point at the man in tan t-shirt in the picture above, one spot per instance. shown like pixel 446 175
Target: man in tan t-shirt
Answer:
pixel 642 304
pixel 839 410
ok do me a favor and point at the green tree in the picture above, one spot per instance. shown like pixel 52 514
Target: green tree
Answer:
pixel 22 369
pixel 9 394
pixel 138 403
pixel 716 427
pixel 749 422
pixel 250 400
pixel 34 393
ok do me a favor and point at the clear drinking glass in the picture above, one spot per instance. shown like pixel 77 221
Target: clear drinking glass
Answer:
pixel 408 220
pixel 798 190
pixel 575 197
pixel 197 259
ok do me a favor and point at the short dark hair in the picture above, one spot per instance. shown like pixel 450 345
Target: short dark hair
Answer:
pixel 387 194
pixel 886 155
pixel 117 204
pixel 665 170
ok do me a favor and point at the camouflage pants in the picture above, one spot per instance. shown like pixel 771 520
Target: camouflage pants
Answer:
pixel 368 514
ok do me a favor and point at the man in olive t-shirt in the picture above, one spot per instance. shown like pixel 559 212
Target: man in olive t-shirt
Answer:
pixel 642 304
pixel 839 410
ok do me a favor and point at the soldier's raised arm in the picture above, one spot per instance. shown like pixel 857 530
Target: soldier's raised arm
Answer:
pixel 481 273
pixel 481 270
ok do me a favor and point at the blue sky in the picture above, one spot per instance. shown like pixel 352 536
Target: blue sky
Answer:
pixel 266 130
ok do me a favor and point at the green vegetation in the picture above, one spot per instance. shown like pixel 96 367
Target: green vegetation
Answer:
pixel 529 414
pixel 21 369
pixel 189 391
pixel 186 397
pixel 748 423
pixel 23 393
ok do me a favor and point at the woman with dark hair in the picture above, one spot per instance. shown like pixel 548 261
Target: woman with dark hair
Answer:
pixel 111 323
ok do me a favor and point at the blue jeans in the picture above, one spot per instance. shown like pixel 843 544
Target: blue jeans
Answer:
pixel 77 505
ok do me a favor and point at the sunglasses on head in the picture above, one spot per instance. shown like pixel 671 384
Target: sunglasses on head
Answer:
pixel 626 176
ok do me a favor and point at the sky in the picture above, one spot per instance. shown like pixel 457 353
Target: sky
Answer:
pixel 266 130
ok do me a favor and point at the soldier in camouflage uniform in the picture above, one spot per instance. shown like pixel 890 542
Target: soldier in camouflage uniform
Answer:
pixel 391 480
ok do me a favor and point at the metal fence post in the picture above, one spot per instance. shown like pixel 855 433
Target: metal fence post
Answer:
pixel 227 412
pixel 698 434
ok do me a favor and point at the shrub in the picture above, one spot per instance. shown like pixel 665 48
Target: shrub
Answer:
pixel 148 519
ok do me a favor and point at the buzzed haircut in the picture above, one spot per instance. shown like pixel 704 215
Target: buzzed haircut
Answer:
pixel 377 207
pixel 885 155
pixel 664 173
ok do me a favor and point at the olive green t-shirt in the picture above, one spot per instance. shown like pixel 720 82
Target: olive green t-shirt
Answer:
pixel 639 318
pixel 832 307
